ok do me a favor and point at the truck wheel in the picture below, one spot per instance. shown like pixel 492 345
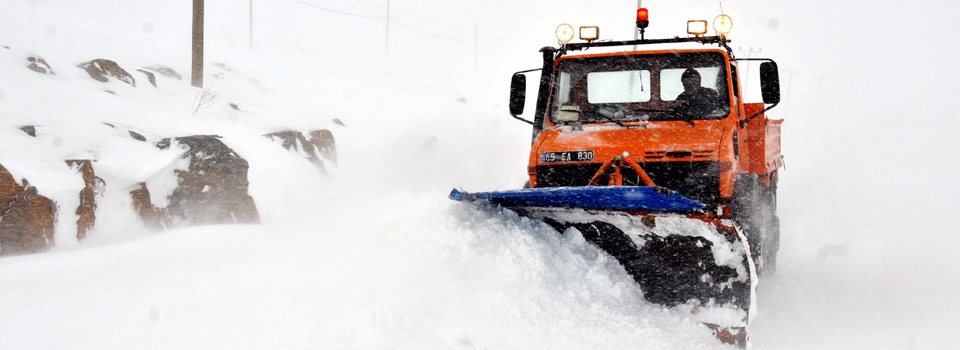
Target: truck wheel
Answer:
pixel 747 208
pixel 771 224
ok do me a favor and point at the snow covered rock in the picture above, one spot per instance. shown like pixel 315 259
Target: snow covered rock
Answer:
pixel 29 130
pixel 213 188
pixel 102 69
pixel 26 218
pixel 165 71
pixel 136 136
pixel 151 215
pixel 150 77
pixel 87 210
pixel 39 65
pixel 326 145
pixel 320 144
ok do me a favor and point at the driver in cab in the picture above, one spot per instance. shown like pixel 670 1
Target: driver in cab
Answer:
pixel 696 100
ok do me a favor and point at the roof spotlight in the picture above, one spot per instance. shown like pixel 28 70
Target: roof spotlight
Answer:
pixel 697 27
pixel 589 33
pixel 565 33
pixel 722 24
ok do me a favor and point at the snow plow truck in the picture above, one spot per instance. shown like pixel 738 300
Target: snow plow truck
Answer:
pixel 654 156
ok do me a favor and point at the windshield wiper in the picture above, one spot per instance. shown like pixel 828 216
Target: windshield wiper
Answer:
pixel 671 113
pixel 608 115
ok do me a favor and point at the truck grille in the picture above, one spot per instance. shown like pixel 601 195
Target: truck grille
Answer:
pixel 696 180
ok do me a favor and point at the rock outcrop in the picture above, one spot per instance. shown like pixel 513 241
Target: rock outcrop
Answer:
pixel 326 145
pixel 102 69
pixel 136 136
pixel 320 144
pixel 213 189
pixel 93 186
pixel 29 130
pixel 27 219
pixel 150 77
pixel 39 65
pixel 152 216
pixel 165 71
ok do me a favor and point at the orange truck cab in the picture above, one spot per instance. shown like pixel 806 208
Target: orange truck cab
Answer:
pixel 593 108
pixel 671 118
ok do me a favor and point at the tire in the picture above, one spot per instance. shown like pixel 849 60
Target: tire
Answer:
pixel 753 207
pixel 770 245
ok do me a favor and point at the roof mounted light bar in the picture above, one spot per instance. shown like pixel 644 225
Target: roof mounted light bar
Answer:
pixel 722 41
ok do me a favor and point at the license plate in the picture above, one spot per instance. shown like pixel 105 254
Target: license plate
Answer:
pixel 569 156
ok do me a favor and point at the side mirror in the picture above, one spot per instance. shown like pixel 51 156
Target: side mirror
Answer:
pixel 770 82
pixel 518 93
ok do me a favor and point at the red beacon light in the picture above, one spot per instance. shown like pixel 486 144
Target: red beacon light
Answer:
pixel 643 18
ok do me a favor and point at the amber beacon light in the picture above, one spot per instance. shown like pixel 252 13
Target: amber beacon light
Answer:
pixel 643 18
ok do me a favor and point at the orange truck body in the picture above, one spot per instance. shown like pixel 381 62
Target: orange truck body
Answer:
pixel 729 146
pixel 654 128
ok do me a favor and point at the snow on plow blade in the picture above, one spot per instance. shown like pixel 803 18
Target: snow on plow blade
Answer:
pixel 679 255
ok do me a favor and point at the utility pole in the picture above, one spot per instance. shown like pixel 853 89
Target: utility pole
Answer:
pixel 636 35
pixel 386 45
pixel 816 101
pixel 746 77
pixel 636 31
pixel 196 75
pixel 251 25
pixel 789 89
pixel 475 25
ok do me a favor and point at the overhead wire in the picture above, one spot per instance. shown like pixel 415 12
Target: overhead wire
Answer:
pixel 429 34
pixel 411 28
pixel 430 20
pixel 367 3
pixel 339 12
pixel 412 15
pixel 494 51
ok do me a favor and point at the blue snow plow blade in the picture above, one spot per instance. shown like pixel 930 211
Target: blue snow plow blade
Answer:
pixel 626 198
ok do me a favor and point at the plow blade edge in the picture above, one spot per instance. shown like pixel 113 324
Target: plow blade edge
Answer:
pixel 680 256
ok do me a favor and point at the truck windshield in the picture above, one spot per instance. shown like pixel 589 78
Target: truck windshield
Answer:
pixel 641 87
